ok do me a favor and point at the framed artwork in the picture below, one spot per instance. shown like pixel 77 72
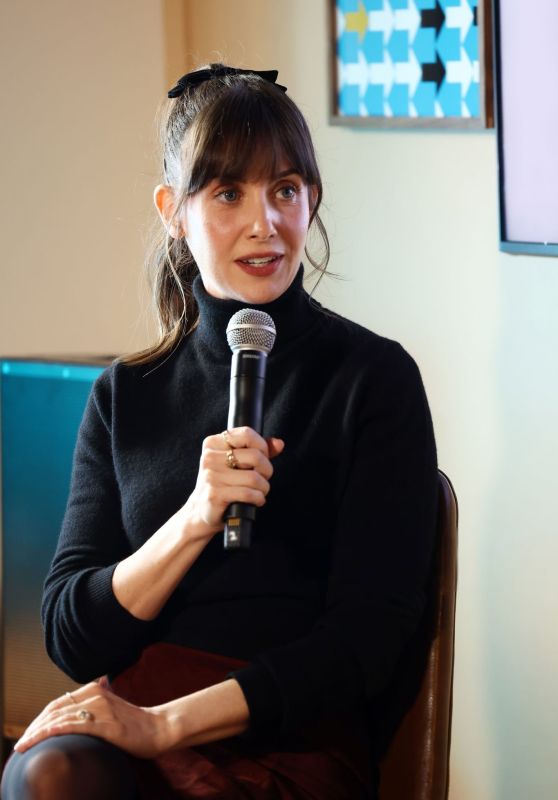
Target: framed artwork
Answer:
pixel 411 63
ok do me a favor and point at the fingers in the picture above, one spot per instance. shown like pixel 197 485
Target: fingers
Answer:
pixel 98 712
pixel 275 446
pixel 235 466
pixel 72 713
pixel 66 701
pixel 249 483
pixel 241 448
pixel 244 437
pixel 230 461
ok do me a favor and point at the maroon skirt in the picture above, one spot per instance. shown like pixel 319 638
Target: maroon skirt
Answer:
pixel 330 762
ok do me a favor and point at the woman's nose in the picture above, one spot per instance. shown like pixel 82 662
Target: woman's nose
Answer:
pixel 262 218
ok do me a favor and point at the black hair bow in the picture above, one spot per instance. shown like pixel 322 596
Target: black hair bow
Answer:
pixel 192 79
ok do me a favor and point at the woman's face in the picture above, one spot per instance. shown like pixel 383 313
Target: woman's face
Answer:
pixel 248 236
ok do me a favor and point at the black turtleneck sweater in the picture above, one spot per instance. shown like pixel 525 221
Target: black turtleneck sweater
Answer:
pixel 323 603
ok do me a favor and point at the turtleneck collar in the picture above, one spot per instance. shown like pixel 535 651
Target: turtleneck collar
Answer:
pixel 293 313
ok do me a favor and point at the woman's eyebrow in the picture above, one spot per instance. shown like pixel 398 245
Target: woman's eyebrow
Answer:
pixel 234 178
pixel 285 172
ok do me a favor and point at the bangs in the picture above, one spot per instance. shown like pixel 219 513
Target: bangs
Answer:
pixel 248 135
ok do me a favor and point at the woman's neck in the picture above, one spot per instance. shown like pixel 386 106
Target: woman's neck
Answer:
pixel 293 313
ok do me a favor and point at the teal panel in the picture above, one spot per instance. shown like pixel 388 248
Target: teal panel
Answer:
pixel 41 409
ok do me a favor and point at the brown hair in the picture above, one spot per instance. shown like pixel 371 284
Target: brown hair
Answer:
pixel 228 127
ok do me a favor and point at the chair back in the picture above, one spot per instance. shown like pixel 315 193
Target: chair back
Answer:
pixel 415 765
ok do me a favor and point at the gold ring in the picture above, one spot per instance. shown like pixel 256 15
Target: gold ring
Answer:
pixel 232 463
pixel 226 436
pixel 85 715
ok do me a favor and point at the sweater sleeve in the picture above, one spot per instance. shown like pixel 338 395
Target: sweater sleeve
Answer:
pixel 381 554
pixel 87 632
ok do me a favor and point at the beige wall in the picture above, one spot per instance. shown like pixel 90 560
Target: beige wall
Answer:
pixel 81 81
pixel 413 224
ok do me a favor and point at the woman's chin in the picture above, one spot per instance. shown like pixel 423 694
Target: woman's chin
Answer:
pixel 260 290
pixel 251 287
pixel 259 298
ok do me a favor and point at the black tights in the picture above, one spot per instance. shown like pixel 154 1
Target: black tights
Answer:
pixel 73 767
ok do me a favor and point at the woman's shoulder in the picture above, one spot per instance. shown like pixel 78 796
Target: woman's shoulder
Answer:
pixel 128 386
pixel 127 373
pixel 363 346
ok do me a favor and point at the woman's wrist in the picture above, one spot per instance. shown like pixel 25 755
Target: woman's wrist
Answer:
pixel 218 712
pixel 143 582
pixel 192 524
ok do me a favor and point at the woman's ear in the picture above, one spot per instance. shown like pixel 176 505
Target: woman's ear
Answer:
pixel 164 198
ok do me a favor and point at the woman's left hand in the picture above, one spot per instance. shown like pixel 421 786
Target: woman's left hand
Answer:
pixel 96 711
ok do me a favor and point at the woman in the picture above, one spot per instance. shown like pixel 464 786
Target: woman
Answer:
pixel 243 674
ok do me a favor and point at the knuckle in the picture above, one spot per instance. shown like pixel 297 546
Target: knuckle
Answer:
pixel 249 477
pixel 266 469
pixel 253 496
pixel 246 433
pixel 256 481
pixel 205 458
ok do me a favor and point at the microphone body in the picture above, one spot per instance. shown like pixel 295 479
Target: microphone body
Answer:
pixel 251 335
pixel 247 389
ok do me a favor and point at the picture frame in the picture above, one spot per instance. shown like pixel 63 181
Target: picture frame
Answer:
pixel 411 63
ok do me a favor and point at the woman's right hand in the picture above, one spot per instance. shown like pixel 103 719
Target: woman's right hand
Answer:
pixel 143 582
pixel 223 478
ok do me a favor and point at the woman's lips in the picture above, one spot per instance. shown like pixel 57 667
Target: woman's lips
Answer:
pixel 261 265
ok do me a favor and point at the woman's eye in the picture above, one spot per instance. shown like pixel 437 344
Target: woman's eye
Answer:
pixel 229 195
pixel 288 192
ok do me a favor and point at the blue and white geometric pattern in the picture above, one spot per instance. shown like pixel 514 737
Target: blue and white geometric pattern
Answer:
pixel 408 58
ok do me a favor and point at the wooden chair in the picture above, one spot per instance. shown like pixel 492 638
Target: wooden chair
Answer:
pixel 415 763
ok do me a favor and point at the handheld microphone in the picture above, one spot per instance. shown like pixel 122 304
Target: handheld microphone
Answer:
pixel 251 336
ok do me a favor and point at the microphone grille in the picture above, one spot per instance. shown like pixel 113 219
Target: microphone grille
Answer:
pixel 250 329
